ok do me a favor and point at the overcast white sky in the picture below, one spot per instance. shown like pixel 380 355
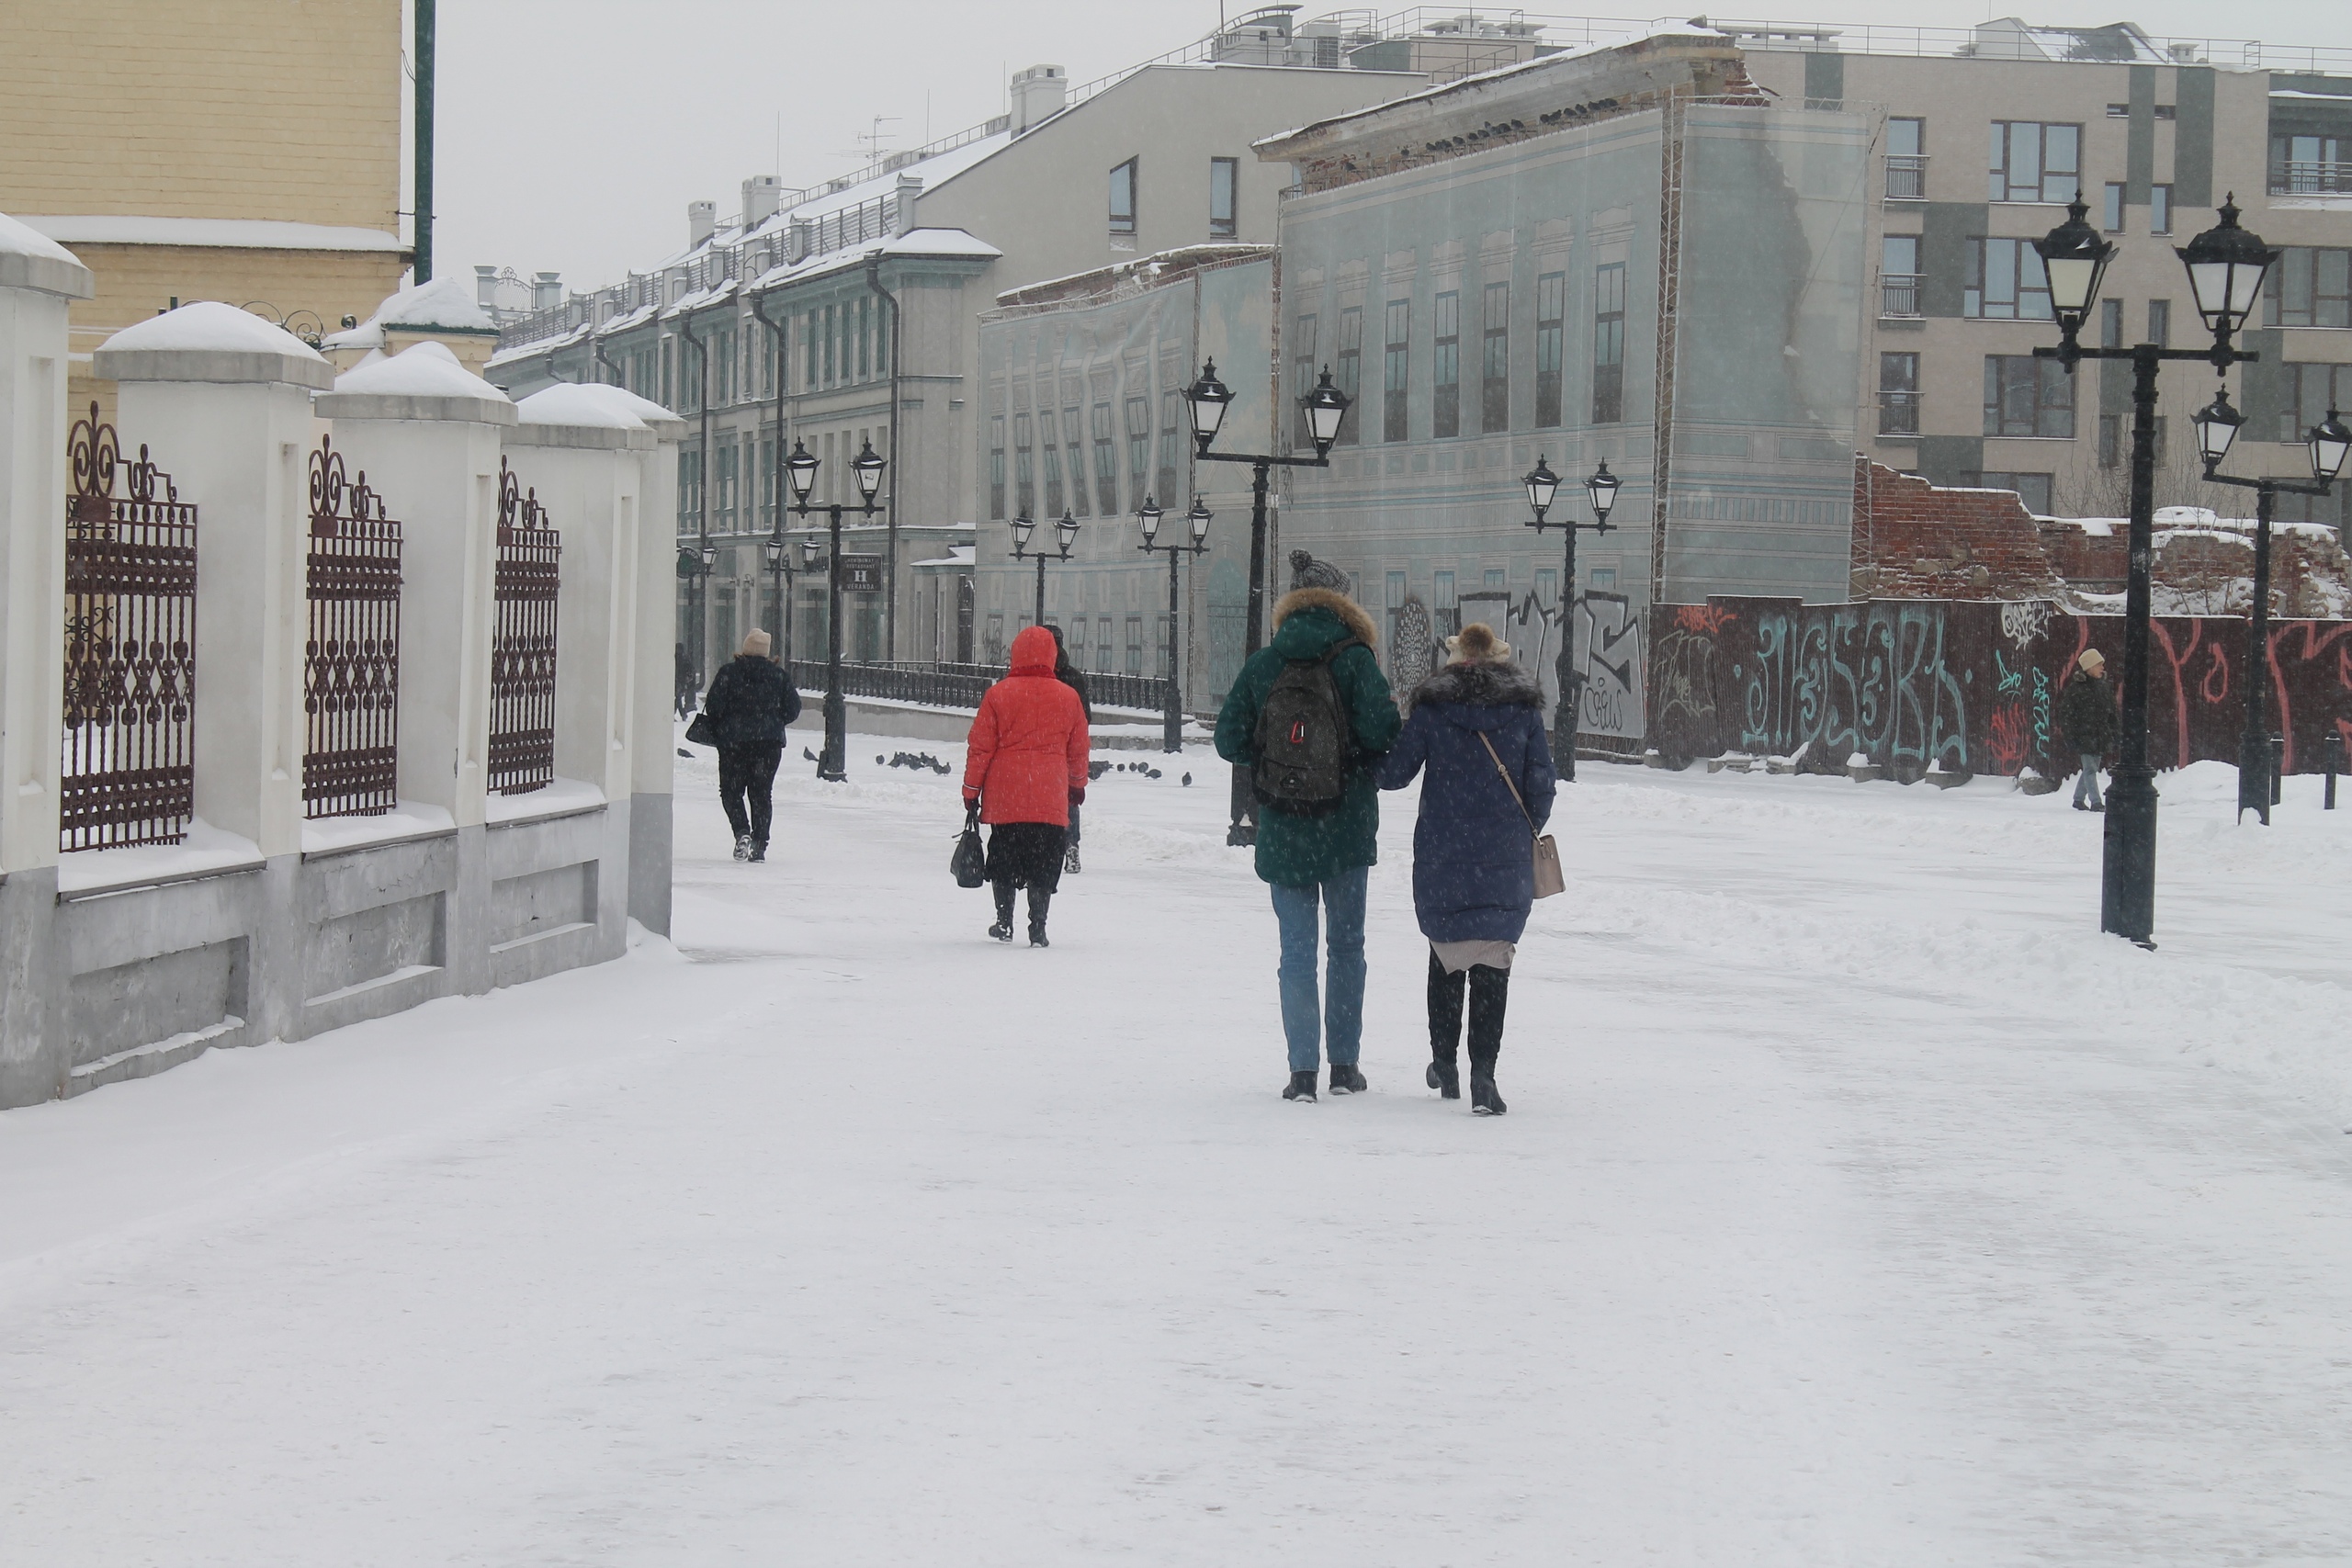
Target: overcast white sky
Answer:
pixel 573 132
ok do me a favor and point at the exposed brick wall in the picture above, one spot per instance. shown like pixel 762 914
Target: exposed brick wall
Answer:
pixel 1916 540
pixel 2096 561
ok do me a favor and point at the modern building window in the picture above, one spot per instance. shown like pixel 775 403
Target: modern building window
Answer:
pixel 1106 463
pixel 1609 344
pixel 1135 644
pixel 1603 579
pixel 2160 322
pixel 1025 472
pixel 2160 209
pixel 2167 111
pixel 2026 397
pixel 1551 331
pixel 1898 276
pixel 2110 440
pixel 1224 197
pixel 2311 391
pixel 2005 281
pixel 1173 422
pixel 1445 389
pixel 995 466
pixel 1907 160
pixel 2110 324
pixel 1303 356
pixel 1123 198
pixel 2031 489
pixel 1898 394
pixel 1138 449
pixel 1445 609
pixel 1394 362
pixel 1074 446
pixel 2310 287
pixel 2111 210
pixel 1494 403
pixel 1351 374
pixel 2035 162
pixel 2310 165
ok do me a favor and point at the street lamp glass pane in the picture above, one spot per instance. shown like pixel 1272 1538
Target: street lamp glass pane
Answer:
pixel 2331 442
pixel 808 552
pixel 1068 529
pixel 2071 282
pixel 800 471
pixel 2216 427
pixel 1325 408
pixel 868 466
pixel 1147 519
pixel 1021 528
pixel 1541 485
pixel 1207 397
pixel 774 550
pixel 1199 518
pixel 1603 486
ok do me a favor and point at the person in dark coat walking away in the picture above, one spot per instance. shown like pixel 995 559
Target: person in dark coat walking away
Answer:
pixel 749 702
pixel 683 682
pixel 1475 722
pixel 2086 718
pixel 1024 769
pixel 1312 857
pixel 1070 676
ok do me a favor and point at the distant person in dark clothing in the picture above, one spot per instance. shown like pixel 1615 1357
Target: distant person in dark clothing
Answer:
pixel 1070 676
pixel 750 703
pixel 2086 718
pixel 683 682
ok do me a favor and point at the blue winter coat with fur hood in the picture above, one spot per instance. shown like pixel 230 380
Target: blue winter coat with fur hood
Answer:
pixel 1474 863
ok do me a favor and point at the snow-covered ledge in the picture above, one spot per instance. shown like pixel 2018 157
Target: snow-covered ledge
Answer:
pixel 206 851
pixel 559 797
pixel 406 820
pixel 208 341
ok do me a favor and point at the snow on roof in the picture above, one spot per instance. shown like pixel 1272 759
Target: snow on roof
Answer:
pixel 914 242
pixel 957 555
pixel 645 408
pixel 22 239
pixel 2343 98
pixel 700 298
pixel 210 233
pixel 445 304
pixel 577 403
pixel 626 320
pixel 420 371
pixel 210 324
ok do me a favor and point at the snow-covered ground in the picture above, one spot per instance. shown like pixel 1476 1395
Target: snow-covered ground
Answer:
pixel 1858 1204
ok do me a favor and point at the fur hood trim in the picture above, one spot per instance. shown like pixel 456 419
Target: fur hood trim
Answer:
pixel 1480 684
pixel 1351 615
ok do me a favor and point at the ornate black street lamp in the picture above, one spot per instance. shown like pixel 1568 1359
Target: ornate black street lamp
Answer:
pixel 779 554
pixel 1065 530
pixel 1541 485
pixel 696 563
pixel 1147 517
pixel 800 470
pixel 1323 409
pixel 2225 271
pixel 2216 427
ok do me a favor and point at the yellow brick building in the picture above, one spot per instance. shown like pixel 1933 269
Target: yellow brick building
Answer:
pixel 246 151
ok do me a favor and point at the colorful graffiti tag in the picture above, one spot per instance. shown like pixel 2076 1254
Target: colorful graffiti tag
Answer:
pixel 1921 685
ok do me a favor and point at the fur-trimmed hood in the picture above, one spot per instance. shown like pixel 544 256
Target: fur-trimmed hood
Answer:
pixel 1478 684
pixel 1351 614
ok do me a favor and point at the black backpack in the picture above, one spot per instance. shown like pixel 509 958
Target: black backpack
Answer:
pixel 1303 739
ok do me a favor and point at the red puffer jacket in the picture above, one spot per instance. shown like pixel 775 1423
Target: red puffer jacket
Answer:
pixel 1026 756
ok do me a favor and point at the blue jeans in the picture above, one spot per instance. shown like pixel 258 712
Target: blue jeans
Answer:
pixel 1342 1021
pixel 2086 782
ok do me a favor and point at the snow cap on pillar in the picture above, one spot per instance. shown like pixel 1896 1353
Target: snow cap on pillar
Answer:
pixel 208 340
pixel 573 414
pixel 29 259
pixel 423 381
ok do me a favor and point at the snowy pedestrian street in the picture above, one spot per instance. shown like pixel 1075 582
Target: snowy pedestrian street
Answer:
pixel 1857 1204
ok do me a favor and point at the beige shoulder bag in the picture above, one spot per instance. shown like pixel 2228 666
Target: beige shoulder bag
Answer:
pixel 1548 877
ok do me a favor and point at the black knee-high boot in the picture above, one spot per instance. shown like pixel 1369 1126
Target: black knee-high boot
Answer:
pixel 1003 929
pixel 1490 997
pixel 1039 902
pixel 1446 1030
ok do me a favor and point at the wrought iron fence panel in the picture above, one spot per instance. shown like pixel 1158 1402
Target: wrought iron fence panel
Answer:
pixel 128 759
pixel 351 663
pixel 522 649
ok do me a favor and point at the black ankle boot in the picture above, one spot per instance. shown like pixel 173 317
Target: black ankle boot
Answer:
pixel 1446 1078
pixel 1346 1080
pixel 1301 1087
pixel 1484 1100
pixel 1446 1030
pixel 1490 997
pixel 1039 902
pixel 1003 929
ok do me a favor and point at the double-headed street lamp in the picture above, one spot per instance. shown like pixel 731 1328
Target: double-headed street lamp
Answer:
pixel 1065 530
pixel 2226 265
pixel 2329 442
pixel 800 470
pixel 779 554
pixel 1147 517
pixel 1323 409
pixel 1541 485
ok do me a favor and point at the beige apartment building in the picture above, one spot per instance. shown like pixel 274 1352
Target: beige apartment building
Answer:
pixel 1985 135
pixel 245 150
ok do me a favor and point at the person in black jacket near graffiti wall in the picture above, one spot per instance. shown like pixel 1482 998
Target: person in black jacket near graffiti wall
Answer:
pixel 750 703
pixel 2087 718
pixel 1068 672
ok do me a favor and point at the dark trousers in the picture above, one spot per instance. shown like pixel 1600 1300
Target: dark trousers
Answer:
pixel 1489 996
pixel 747 786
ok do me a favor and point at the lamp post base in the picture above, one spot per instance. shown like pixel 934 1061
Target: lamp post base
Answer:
pixel 2127 870
pixel 832 766
pixel 2254 777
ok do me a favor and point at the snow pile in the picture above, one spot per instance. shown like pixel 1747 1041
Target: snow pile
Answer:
pixel 19 239
pixel 445 304
pixel 207 324
pixel 577 403
pixel 420 371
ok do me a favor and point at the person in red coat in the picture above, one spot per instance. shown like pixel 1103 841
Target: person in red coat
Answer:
pixel 1024 767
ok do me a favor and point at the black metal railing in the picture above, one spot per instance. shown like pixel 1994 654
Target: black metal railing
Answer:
pixel 129 759
pixel 963 685
pixel 522 649
pixel 351 665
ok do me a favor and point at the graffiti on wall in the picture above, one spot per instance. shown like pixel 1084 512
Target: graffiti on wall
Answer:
pixel 1920 685
pixel 1608 666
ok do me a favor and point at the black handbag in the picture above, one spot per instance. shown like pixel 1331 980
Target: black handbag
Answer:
pixel 702 732
pixel 969 862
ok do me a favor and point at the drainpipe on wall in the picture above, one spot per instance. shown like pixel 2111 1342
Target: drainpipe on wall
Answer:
pixel 890 561
pixel 702 491
pixel 422 266
pixel 783 380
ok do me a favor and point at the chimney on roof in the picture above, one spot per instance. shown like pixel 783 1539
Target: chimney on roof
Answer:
pixel 702 221
pixel 1037 92
pixel 909 191
pixel 547 290
pixel 802 240
pixel 763 194
pixel 485 285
